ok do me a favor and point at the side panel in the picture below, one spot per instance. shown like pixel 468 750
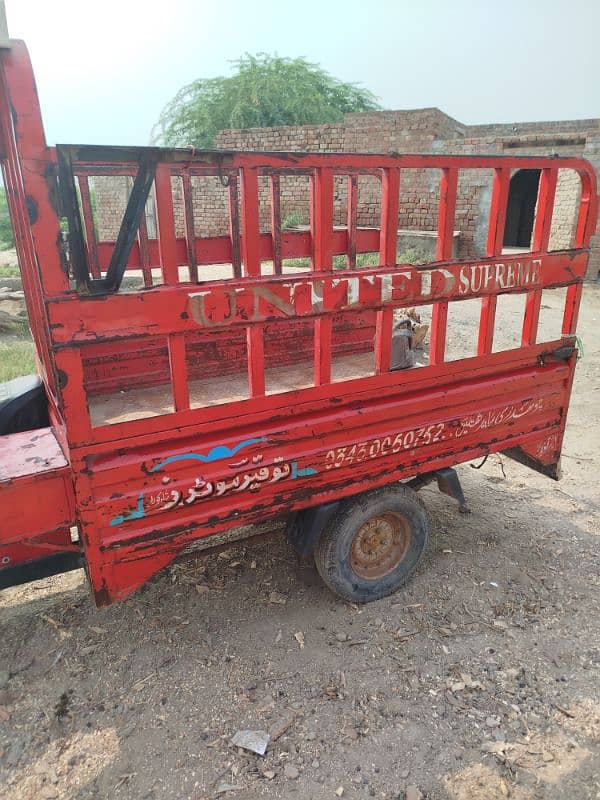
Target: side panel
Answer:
pixel 145 503
pixel 36 499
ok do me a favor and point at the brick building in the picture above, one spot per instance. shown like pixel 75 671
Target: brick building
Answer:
pixel 416 131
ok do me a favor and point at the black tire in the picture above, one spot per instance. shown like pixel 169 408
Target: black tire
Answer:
pixel 373 544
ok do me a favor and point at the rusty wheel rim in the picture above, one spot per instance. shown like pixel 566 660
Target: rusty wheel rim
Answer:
pixel 379 545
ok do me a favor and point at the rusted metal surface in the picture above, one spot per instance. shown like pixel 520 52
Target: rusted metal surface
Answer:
pixel 380 545
pixel 143 490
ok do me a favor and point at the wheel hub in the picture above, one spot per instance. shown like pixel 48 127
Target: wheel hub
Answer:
pixel 379 545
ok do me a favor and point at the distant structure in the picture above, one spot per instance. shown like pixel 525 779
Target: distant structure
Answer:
pixel 426 130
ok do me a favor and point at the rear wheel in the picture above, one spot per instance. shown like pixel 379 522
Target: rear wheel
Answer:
pixel 373 544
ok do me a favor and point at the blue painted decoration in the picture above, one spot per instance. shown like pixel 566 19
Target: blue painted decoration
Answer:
pixel 137 513
pixel 215 454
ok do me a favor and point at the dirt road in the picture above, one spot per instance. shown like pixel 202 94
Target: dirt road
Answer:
pixel 479 680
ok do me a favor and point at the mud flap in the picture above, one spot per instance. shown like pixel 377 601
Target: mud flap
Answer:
pixel 541 455
pixel 305 527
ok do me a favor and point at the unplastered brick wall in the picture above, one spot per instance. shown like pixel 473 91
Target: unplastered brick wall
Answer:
pixel 475 186
pixel 416 131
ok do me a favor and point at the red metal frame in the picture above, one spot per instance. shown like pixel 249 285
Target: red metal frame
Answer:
pixel 145 489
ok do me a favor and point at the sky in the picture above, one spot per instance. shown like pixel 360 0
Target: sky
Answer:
pixel 106 69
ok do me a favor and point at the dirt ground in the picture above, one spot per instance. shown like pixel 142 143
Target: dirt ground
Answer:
pixel 479 680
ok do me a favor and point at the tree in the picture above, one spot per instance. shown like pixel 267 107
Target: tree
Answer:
pixel 264 91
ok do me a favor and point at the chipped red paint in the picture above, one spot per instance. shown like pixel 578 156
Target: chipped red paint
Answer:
pixel 36 497
pixel 143 490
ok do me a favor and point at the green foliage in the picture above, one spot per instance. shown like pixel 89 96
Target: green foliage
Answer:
pixel 294 220
pixel 6 232
pixel 10 271
pixel 414 255
pixel 17 357
pixel 264 91
pixel 362 260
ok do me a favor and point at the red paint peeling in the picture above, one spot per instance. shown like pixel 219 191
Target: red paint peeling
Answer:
pixel 262 455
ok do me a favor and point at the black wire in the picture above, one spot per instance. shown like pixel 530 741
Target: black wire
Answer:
pixel 479 466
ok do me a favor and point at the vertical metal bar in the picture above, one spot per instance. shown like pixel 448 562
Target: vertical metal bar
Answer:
pixel 88 222
pixel 179 371
pixel 447 207
pixel 234 227
pixel 571 314
pixel 588 211
pixel 144 251
pixel 276 223
pixel 170 268
pixel 322 230
pixel 256 360
pixel 352 216
pixel 495 240
pixel 388 248
pixel 586 224
pixel 166 225
pixel 136 206
pixel 251 260
pixel 28 158
pixel 540 239
pixel 75 408
pixel 69 204
pixel 250 222
pixel 190 229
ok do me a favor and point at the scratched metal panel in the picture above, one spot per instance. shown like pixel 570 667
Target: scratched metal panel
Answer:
pixel 150 501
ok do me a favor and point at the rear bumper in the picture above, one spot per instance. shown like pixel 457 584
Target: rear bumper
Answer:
pixel 39 568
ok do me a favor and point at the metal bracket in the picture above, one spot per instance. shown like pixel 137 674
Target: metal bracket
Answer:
pixel 449 483
pixel 128 231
